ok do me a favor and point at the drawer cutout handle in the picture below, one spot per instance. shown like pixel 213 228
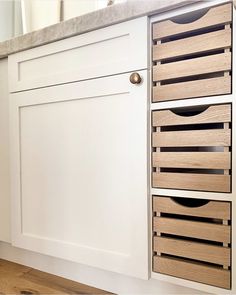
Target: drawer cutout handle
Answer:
pixel 190 112
pixel 190 17
pixel 190 203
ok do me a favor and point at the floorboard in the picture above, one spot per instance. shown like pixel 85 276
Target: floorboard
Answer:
pixel 19 279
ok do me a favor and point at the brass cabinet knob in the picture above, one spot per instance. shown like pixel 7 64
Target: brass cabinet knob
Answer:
pixel 135 78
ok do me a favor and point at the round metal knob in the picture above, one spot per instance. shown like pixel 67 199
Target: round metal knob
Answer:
pixel 135 78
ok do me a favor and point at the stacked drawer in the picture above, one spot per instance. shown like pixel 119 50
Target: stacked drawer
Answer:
pixel 193 59
pixel 192 148
pixel 192 239
pixel 192 145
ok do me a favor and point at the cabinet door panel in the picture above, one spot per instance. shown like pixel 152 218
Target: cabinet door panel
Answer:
pixel 81 173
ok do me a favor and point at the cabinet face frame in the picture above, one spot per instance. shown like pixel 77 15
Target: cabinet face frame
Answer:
pixel 135 261
pixel 5 228
pixel 229 98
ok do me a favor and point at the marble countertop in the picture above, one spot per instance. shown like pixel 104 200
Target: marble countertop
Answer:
pixel 88 22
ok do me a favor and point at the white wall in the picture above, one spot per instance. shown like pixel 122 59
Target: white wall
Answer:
pixel 38 14
pixel 6 19
pixel 73 8
pixel 10 19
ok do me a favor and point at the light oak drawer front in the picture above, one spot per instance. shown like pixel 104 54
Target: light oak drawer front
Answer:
pixel 198 230
pixel 198 66
pixel 192 271
pixel 192 138
pixel 104 52
pixel 192 250
pixel 192 56
pixel 181 90
pixel 192 239
pixel 217 160
pixel 192 148
pixel 211 209
pixel 188 181
pixel 196 44
pixel 218 15
pixel 212 114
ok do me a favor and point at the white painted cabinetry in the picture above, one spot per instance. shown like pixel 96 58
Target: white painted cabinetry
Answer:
pixel 79 150
pixel 79 172
pixel 5 232
pixel 113 50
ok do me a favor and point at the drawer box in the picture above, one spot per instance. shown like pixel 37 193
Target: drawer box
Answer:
pixel 192 55
pixel 192 148
pixel 192 239
pixel 99 53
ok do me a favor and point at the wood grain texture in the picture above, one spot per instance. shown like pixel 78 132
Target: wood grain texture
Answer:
pixel 192 271
pixel 213 114
pixel 207 138
pixel 198 88
pixel 213 209
pixel 193 250
pixel 19 279
pixel 192 67
pixel 188 181
pixel 194 229
pixel 217 15
pixel 192 45
pixel 203 160
pixel 176 159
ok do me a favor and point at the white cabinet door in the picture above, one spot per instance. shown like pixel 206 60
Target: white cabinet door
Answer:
pixel 79 173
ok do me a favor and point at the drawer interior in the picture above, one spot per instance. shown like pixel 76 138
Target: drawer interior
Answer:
pixel 192 148
pixel 192 54
pixel 192 239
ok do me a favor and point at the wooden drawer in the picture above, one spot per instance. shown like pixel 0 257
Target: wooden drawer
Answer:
pixel 104 52
pixel 192 148
pixel 192 239
pixel 192 55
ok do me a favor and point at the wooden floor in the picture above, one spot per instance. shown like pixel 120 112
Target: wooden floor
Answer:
pixel 19 279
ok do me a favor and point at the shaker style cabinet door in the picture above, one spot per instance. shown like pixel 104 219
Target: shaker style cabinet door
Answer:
pixel 79 173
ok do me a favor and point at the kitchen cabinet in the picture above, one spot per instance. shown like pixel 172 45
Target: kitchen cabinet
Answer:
pixel 107 173
pixel 79 172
